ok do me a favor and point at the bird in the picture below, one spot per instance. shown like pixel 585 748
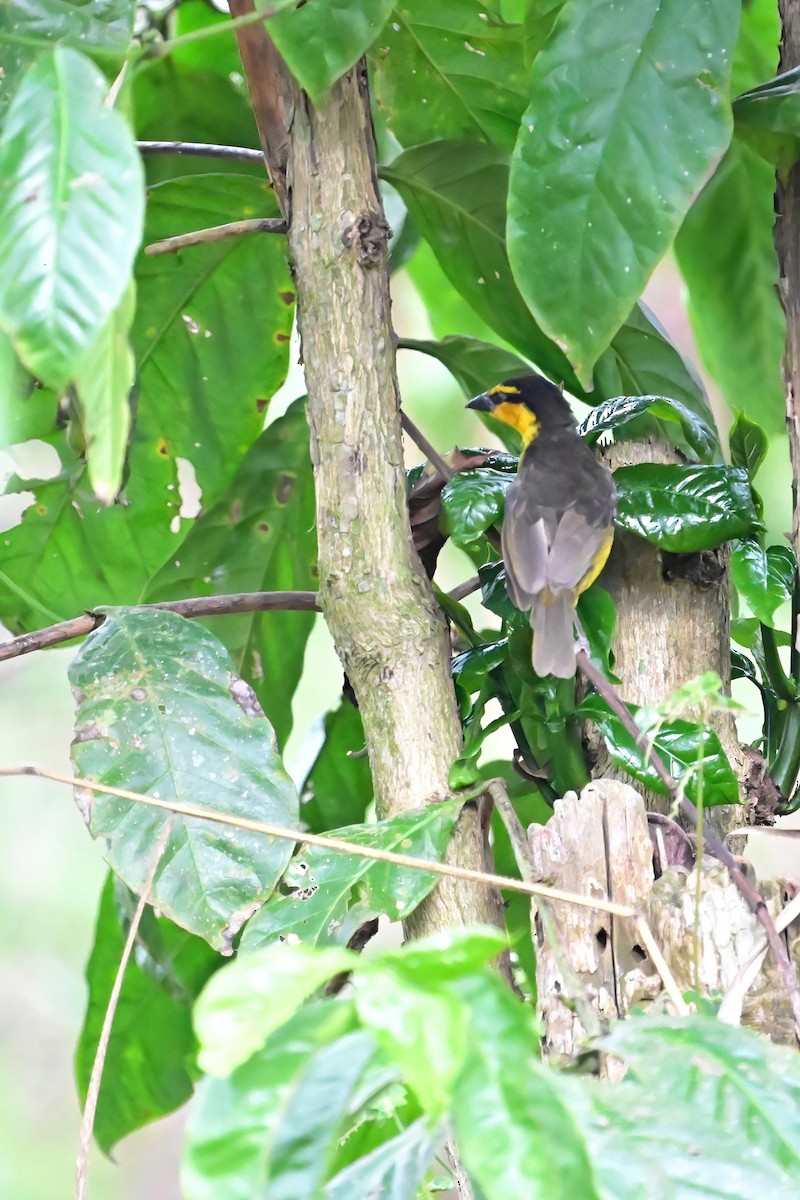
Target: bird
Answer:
pixel 559 515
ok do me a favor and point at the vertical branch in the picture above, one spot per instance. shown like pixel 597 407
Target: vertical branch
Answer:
pixel 386 625
pixel 787 243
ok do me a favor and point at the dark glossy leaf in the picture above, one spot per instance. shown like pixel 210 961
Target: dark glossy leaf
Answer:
pixel 627 117
pixel 148 1065
pixel 475 365
pixel 254 995
pixel 763 578
pixel 71 206
pixel 393 1171
pixel 743 668
pixel 103 382
pixel 768 119
pixel 471 668
pixel 513 1124
pixel 598 617
pixel 748 444
pixel 495 594
pixel 338 789
pixel 321 42
pixel 235 1121
pixel 728 235
pixel 332 894
pixel 682 746
pixel 193 335
pixel 685 508
pixel 160 711
pixel 473 501
pixel 616 414
pixel 259 537
pixel 450 71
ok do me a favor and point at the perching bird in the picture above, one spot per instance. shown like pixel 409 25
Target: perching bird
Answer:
pixel 558 525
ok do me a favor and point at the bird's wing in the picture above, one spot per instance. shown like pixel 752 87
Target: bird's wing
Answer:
pixel 526 549
pixel 575 547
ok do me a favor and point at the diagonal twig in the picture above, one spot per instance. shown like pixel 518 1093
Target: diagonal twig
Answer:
pixel 202 150
pixel 216 233
pixel 427 448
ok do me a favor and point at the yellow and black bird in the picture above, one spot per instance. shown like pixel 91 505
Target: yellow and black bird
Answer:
pixel 558 525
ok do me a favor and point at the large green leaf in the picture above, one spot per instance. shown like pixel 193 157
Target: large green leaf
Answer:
pixel 394 1170
pixel 447 310
pixel 450 70
pixel 88 25
pixel 338 789
pixel 756 56
pixel 728 235
pixel 254 995
pixel 456 194
pixel 686 749
pixel 160 711
pixel 763 578
pixel 323 40
pixel 684 509
pixel 628 114
pixel 259 536
pixel 148 1065
pixel 71 205
pixel 768 119
pixel 475 365
pixel 234 1121
pixel 103 382
pixel 205 376
pixel 331 894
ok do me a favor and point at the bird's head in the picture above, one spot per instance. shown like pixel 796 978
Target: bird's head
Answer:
pixel 528 404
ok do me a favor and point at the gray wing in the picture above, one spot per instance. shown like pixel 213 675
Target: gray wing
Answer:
pixel 526 550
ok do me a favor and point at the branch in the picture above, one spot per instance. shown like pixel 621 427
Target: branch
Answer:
pixel 216 233
pixel 419 439
pixel 202 606
pixel 202 150
pixel 717 847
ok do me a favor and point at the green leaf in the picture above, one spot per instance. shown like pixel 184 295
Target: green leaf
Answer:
pixel 148 1063
pixel 456 194
pixel 684 509
pixel 393 1171
pixel 448 312
pixel 338 789
pixel 259 537
pixel 473 501
pixel 748 444
pixel 450 71
pixel 598 616
pixel 707 1067
pixel 628 115
pixel 683 746
pixel 204 380
pixel 321 42
pixel 471 668
pixel 160 711
pixel 88 25
pixel 495 594
pixel 763 578
pixel 768 119
pixel 219 54
pixel 332 894
pixel 728 235
pixel 71 205
pixel 513 1124
pixel 234 1121
pixel 616 414
pixel 475 365
pixel 103 381
pixel 756 56
pixel 254 995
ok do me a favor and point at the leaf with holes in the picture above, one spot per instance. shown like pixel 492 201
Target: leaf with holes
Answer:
pixel 333 893
pixel 71 205
pixel 160 711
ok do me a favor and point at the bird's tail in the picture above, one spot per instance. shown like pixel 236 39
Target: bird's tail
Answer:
pixel 553 624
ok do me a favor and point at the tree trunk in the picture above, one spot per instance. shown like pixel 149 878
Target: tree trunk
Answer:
pixel 787 243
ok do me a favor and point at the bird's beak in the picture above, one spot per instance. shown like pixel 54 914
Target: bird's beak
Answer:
pixel 482 403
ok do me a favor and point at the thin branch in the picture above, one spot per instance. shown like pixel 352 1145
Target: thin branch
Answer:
pixel 202 150
pixel 750 894
pixel 466 588
pixel 432 454
pixel 96 1077
pixel 216 233
pixel 201 606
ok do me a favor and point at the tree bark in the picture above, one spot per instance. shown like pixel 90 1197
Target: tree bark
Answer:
pixel 387 627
